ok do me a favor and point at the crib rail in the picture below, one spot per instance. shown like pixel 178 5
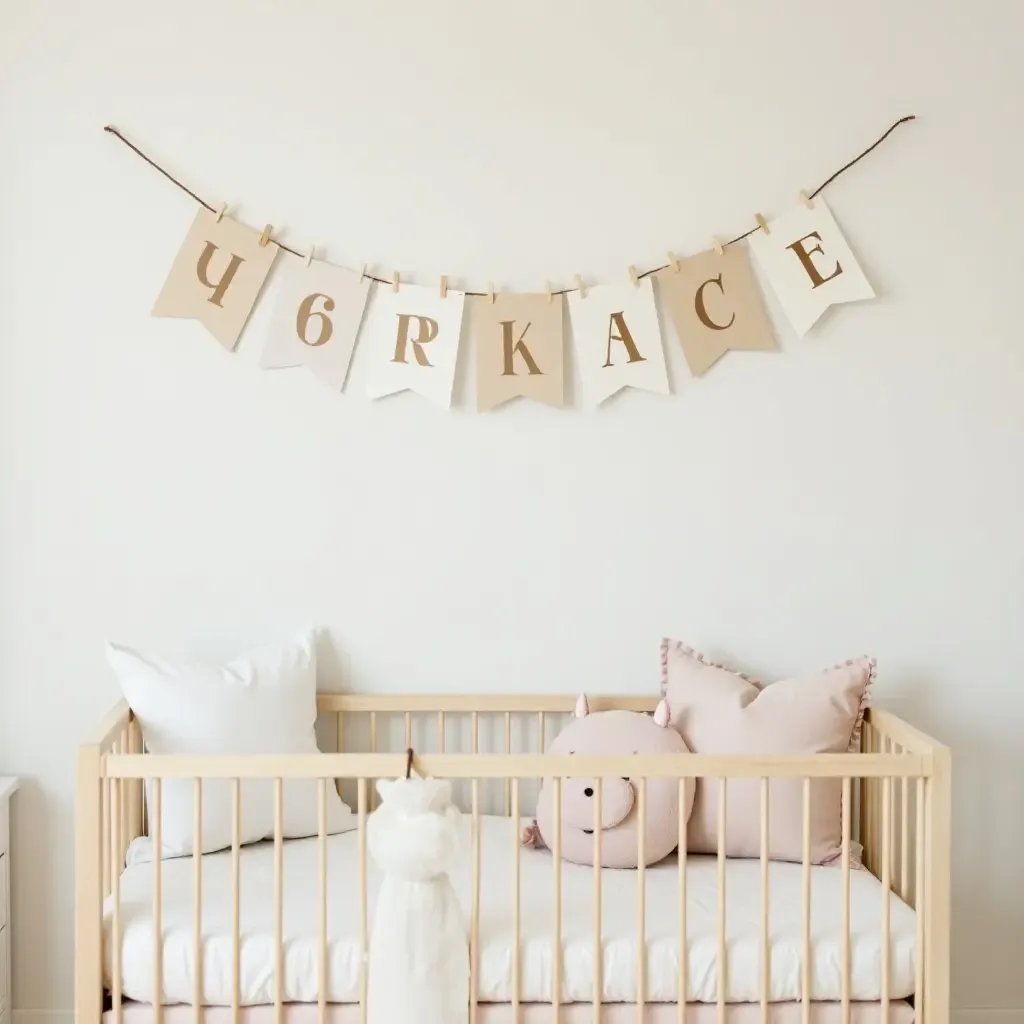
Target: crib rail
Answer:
pixel 895 802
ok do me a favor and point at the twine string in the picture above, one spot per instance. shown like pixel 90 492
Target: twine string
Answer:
pixel 564 291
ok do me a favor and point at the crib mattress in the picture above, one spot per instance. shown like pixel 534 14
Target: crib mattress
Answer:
pixel 540 1013
pixel 619 927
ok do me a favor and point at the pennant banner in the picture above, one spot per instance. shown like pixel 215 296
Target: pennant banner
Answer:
pixel 715 305
pixel 618 340
pixel 519 348
pixel 413 336
pixel 217 276
pixel 316 319
pixel 809 264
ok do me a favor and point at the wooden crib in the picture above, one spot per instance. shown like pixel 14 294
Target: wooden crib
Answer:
pixel 895 802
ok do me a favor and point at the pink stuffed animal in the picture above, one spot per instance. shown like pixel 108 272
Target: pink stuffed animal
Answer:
pixel 614 733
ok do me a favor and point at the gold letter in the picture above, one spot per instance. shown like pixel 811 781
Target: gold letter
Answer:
pixel 805 259
pixel 616 320
pixel 426 331
pixel 221 286
pixel 698 304
pixel 306 314
pixel 511 349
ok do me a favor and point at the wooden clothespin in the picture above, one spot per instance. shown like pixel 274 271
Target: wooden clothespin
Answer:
pixel 220 213
pixel 806 200
pixel 362 273
pixel 582 286
pixel 762 223
pixel 673 262
pixel 309 255
pixel 633 276
pixel 265 237
pixel 490 291
pixel 444 287
pixel 551 294
pixel 394 281
pixel 719 248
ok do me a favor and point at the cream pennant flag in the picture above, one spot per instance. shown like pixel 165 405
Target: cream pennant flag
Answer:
pixel 519 348
pixel 413 338
pixel 715 305
pixel 809 263
pixel 316 319
pixel 217 276
pixel 618 340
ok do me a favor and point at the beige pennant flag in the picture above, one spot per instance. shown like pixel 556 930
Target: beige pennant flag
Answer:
pixel 715 305
pixel 519 341
pixel 217 276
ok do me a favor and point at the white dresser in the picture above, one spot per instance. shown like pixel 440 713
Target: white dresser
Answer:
pixel 7 788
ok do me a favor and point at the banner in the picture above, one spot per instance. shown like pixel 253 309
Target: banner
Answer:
pixel 217 276
pixel 809 264
pixel 715 305
pixel 519 348
pixel 618 340
pixel 315 321
pixel 413 338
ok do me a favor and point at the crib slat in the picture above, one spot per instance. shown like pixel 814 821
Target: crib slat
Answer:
pixel 641 900
pixel 847 815
pixel 236 890
pixel 115 897
pixel 440 732
pixel 508 750
pixel 363 929
pixel 474 929
pixel 341 731
pixel 805 987
pixel 373 750
pixel 598 993
pixel 556 940
pixel 475 729
pixel 722 949
pixel 766 950
pixel 279 901
pixel 886 887
pixel 515 901
pixel 197 905
pixel 684 955
pixel 321 843
pixel 904 837
pixel 158 903
pixel 408 729
pixel 105 859
pixel 919 905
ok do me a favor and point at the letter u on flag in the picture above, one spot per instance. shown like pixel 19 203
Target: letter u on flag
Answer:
pixel 413 337
pixel 316 319
pixel 217 276
pixel 618 340
pixel 809 264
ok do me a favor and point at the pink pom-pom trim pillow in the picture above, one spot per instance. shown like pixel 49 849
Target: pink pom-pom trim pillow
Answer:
pixel 719 711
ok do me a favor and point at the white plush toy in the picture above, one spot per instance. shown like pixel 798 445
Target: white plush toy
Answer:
pixel 419 952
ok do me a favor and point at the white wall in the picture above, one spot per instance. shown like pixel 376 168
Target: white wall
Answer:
pixel 858 492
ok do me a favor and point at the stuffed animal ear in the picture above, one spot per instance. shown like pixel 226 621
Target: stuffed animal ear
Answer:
pixel 582 707
pixel 661 714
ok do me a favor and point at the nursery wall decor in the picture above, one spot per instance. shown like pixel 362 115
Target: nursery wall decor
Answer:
pixel 519 348
pixel 413 332
pixel 713 302
pixel 316 319
pixel 618 340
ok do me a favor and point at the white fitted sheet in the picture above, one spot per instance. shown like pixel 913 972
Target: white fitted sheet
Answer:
pixel 498 835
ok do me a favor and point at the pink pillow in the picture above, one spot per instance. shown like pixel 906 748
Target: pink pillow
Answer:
pixel 718 711
pixel 614 733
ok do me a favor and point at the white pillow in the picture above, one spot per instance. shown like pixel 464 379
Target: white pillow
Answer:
pixel 261 704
